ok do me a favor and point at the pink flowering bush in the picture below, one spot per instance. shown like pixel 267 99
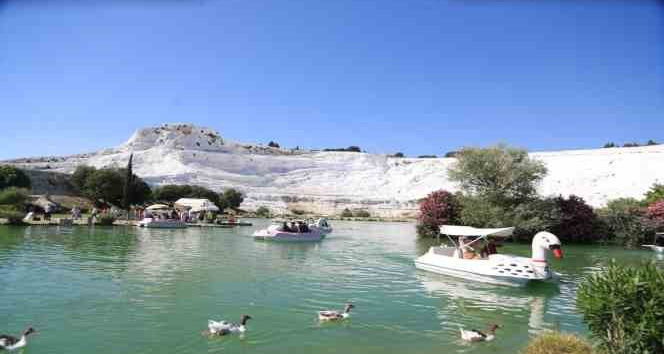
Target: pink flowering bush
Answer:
pixel 438 208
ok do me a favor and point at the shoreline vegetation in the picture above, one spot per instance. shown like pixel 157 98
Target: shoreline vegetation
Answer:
pixel 498 189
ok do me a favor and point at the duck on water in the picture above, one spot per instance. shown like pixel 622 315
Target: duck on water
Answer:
pixel 8 342
pixel 330 315
pixel 474 335
pixel 222 328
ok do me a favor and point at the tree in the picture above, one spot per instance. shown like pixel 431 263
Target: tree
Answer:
pixel 173 192
pixel 398 154
pixel 627 145
pixel 80 176
pixel 499 174
pixel 451 154
pixel 11 176
pixel 438 208
pixel 262 211
pixel 108 185
pixel 427 156
pixel 651 142
pixel 127 197
pixel 655 194
pixel 272 144
pixel 609 145
pixel 233 198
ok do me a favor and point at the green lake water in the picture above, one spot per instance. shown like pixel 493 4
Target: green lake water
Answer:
pixel 129 290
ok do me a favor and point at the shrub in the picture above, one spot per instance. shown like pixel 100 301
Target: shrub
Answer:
pixel 651 142
pixel 108 184
pixel 106 220
pixel 351 148
pixel 451 154
pixel 438 208
pixel 11 176
pixel 272 144
pixel 263 212
pixel 577 220
pixel 557 343
pixel 398 154
pixel 627 145
pixel 535 216
pixel 427 156
pixel 655 213
pixel 501 175
pixel 609 145
pixel 14 217
pixel 654 194
pixel 624 220
pixel 16 197
pixel 298 211
pixel 624 308
pixel 361 214
pixel 346 213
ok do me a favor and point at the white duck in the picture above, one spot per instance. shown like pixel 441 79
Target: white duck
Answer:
pixel 329 315
pixel 8 342
pixel 474 335
pixel 222 328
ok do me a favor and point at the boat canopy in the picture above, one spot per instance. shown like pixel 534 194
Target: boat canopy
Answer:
pixel 453 230
pixel 195 204
pixel 157 207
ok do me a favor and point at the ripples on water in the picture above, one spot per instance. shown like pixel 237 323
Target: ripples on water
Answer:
pixel 133 290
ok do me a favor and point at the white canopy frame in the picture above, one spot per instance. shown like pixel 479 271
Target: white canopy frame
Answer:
pixel 462 231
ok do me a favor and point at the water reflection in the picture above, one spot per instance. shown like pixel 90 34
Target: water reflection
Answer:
pixel 475 304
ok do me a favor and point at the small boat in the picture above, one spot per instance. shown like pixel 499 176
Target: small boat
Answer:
pixel 499 269
pixel 658 246
pixel 279 231
pixel 162 223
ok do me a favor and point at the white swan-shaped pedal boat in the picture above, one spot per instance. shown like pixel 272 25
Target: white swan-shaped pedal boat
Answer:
pixel 330 315
pixel 473 335
pixel 496 268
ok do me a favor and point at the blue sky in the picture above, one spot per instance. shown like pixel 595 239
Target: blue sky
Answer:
pixel 421 77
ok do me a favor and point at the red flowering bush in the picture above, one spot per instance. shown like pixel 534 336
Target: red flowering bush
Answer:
pixel 655 213
pixel 438 208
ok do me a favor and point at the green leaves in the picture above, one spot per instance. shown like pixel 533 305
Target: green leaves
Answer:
pixel 624 308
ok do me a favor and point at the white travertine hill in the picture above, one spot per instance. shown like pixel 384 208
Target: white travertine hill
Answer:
pixel 328 182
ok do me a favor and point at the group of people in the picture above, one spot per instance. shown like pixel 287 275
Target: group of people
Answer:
pixel 467 252
pixel 294 226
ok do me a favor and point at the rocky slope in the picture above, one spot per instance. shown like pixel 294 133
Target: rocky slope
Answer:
pixel 328 182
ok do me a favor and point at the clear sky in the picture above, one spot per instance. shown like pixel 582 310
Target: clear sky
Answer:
pixel 421 77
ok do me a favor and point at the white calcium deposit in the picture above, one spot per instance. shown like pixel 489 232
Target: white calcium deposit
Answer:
pixel 328 182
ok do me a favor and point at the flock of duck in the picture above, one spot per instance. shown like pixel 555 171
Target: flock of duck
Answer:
pixel 223 328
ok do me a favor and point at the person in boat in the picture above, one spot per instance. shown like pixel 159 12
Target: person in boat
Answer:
pixel 304 227
pixel 490 248
pixel 284 227
pixel 466 252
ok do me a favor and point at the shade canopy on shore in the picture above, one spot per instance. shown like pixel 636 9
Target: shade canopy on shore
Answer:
pixel 196 205
pixel 157 207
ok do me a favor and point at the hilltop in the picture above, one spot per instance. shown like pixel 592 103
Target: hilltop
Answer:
pixel 326 182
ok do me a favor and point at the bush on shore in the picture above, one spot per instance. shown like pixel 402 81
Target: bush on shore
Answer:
pixel 263 212
pixel 14 197
pixel 557 343
pixel 438 208
pixel 624 308
pixel 624 221
pixel 106 220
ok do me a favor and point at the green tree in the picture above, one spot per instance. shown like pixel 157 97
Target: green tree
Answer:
pixel 173 192
pixel 655 194
pixel 127 195
pixel 499 174
pixel 11 176
pixel 263 212
pixel 233 198
pixel 107 184
pixel 80 177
